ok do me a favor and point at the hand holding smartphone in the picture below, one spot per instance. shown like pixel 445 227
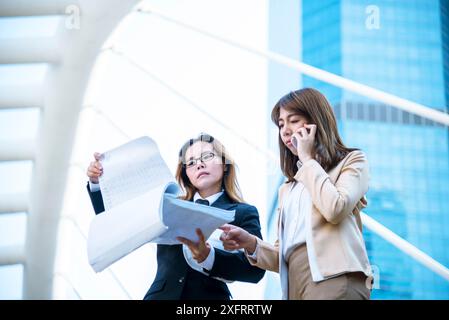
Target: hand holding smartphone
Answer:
pixel 295 140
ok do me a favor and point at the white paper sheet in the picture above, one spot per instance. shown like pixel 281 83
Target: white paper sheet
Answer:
pixel 131 170
pixel 183 217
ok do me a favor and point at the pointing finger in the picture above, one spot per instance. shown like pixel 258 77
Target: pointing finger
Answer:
pixel 226 227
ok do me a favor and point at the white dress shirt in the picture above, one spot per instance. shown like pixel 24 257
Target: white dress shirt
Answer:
pixel 293 218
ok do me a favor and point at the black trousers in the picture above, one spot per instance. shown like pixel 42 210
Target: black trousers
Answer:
pixel 200 287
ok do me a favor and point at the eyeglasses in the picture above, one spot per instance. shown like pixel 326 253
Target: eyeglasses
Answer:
pixel 207 156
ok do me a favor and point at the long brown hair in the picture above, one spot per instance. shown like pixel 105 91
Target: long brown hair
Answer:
pixel 329 149
pixel 229 182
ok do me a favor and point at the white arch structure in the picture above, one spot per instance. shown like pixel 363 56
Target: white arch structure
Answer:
pixel 71 54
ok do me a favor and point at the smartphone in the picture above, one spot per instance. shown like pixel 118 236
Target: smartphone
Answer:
pixel 294 142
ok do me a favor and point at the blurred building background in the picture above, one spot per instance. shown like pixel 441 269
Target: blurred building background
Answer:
pixel 78 77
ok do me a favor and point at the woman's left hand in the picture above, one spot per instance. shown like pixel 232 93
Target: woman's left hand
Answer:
pixel 305 142
pixel 200 250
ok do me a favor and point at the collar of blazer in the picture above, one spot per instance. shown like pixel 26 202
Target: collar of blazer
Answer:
pixel 223 202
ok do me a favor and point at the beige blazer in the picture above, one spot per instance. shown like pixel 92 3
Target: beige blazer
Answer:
pixel 338 196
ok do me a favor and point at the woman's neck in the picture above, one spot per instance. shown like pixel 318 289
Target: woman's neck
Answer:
pixel 209 192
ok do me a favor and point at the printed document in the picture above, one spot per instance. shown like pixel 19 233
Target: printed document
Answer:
pixel 141 202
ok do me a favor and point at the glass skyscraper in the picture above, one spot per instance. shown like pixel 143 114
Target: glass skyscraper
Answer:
pixel 400 47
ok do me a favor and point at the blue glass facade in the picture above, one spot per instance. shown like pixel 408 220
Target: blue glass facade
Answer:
pixel 405 54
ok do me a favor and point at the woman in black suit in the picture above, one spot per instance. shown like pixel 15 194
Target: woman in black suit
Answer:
pixel 199 270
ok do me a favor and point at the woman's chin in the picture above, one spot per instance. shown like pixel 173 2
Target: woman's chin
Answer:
pixel 204 184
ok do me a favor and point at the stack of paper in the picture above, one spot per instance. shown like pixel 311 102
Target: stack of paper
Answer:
pixel 140 198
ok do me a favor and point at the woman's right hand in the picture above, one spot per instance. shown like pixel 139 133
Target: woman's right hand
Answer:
pixel 95 170
pixel 235 238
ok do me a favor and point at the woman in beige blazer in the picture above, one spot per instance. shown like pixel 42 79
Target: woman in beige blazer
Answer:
pixel 320 252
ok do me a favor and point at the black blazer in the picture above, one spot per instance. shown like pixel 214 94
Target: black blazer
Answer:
pixel 175 279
